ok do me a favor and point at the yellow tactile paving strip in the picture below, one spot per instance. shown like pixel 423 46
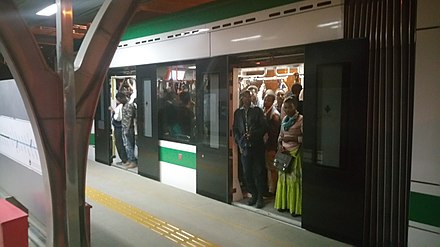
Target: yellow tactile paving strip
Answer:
pixel 161 227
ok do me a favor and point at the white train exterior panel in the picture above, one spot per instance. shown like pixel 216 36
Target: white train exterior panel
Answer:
pixel 418 237
pixel 298 29
pixel 426 131
pixel 250 32
pixel 423 227
pixel 179 177
pixel 184 48
pixel 428 13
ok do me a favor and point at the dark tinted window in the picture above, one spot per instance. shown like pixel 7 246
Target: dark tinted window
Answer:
pixel 176 89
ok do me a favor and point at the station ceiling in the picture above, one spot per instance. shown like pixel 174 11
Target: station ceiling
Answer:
pixel 85 10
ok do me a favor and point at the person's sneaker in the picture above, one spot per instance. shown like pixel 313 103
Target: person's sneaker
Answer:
pixel 252 201
pixel 131 165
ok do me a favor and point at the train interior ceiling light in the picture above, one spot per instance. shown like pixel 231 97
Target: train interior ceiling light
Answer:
pixel 281 72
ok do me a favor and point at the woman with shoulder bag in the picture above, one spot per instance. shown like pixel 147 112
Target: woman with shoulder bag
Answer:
pixel 289 187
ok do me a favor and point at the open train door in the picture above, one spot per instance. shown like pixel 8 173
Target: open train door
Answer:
pixel 102 138
pixel 147 123
pixel 334 148
pixel 213 166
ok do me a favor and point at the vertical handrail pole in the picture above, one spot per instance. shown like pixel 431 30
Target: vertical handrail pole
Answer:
pixel 64 25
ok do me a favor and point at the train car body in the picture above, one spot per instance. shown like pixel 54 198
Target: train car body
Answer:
pixel 206 56
pixel 239 40
pixel 288 25
pixel 221 54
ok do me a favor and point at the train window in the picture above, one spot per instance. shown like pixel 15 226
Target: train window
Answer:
pixel 329 114
pixel 211 128
pixel 176 89
pixel 148 131
pixel 100 112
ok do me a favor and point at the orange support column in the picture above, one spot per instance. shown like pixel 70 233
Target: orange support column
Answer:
pixel 13 226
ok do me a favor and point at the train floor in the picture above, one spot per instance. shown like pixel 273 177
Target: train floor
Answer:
pixel 131 210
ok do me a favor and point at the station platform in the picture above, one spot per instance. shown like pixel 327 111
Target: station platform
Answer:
pixel 131 210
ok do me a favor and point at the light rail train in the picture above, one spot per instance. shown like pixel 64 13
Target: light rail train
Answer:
pixel 214 57
pixel 204 57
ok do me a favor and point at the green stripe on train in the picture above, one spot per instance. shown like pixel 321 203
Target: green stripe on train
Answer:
pixel 178 157
pixel 206 13
pixel 92 139
pixel 424 208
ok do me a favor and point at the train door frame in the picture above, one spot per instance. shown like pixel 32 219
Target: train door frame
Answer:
pixel 237 193
pixel 264 58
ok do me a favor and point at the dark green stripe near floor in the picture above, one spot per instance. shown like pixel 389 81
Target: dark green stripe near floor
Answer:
pixel 203 14
pixel 424 208
pixel 177 157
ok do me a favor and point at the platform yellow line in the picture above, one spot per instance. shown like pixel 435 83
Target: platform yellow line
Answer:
pixel 151 222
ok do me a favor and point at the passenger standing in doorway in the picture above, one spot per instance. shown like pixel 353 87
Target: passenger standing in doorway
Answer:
pixel 255 96
pixel 128 115
pixel 117 127
pixel 289 187
pixel 296 90
pixel 249 128
pixel 273 122
pixel 280 99
pixel 129 88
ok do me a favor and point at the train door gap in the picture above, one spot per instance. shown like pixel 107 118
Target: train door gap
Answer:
pixel 262 80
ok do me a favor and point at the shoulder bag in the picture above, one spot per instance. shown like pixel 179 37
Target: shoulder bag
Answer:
pixel 283 160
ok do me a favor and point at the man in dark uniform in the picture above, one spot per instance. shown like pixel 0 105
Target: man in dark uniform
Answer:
pixel 249 128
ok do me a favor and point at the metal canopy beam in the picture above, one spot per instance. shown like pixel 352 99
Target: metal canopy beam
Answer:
pixel 53 122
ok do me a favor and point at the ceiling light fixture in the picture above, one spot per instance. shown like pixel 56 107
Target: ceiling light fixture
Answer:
pixel 246 38
pixel 48 11
pixel 332 23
